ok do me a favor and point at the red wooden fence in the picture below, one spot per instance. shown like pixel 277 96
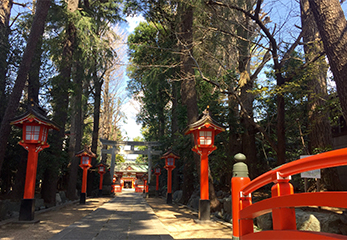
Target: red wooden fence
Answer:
pixel 283 201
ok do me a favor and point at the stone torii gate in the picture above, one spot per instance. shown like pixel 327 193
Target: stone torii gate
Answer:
pixel 114 150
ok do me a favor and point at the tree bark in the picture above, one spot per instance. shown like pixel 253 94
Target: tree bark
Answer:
pixel 246 84
pixel 97 103
pixel 5 12
pixel 174 122
pixel 320 133
pixel 332 25
pixel 60 95
pixel 34 74
pixel 34 37
pixel 77 111
pixel 188 91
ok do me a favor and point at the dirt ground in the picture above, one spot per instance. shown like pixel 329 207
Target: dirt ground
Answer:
pixel 178 220
pixel 50 222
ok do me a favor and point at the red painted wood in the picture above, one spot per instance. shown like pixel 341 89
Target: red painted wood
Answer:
pixel 292 234
pixel 324 160
pixel 329 199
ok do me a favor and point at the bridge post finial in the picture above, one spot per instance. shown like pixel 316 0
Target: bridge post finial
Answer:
pixel 238 181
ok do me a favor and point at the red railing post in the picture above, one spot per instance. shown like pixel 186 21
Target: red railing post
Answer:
pixel 239 180
pixel 283 218
pixel 246 225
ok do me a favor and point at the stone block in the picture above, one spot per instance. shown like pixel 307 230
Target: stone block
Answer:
pixel 194 202
pixel 8 209
pixel 62 196
pixel 264 222
pixel 39 203
pixel 227 205
pixel 58 200
pixel 307 222
pixel 177 196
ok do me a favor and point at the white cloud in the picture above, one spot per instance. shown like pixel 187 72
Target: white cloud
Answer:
pixel 133 22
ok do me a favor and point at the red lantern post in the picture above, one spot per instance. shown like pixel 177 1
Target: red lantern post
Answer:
pixel 101 170
pixel 145 187
pixel 157 173
pixel 35 127
pixel 204 131
pixel 86 157
pixel 170 158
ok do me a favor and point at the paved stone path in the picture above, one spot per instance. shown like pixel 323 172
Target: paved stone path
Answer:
pixel 127 216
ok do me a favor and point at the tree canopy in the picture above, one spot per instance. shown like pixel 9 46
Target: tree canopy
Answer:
pixel 260 66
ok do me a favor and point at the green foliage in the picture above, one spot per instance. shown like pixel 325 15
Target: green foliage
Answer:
pixel 150 75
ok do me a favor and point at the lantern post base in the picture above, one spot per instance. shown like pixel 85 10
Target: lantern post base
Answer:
pixel 100 193
pixel 83 198
pixel 204 210
pixel 169 198
pixel 27 210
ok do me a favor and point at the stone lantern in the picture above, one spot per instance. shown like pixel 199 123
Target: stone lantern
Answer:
pixel 35 127
pixel 204 130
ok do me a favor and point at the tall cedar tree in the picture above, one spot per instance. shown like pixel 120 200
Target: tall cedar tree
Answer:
pixel 60 97
pixel 36 32
pixel 320 134
pixel 5 12
pixel 332 24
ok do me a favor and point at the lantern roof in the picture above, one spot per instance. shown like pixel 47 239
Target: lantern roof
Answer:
pixel 86 152
pixel 102 164
pixel 170 153
pixel 35 113
pixel 157 166
pixel 205 121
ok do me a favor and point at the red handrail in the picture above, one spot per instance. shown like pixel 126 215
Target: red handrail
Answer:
pixel 295 200
pixel 323 160
pixel 283 198
pixel 293 234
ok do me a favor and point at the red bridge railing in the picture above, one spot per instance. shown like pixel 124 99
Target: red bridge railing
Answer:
pixel 283 201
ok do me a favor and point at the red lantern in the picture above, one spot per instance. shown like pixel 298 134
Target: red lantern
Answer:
pixel 35 127
pixel 101 170
pixel 170 158
pixel 86 156
pixel 157 172
pixel 204 131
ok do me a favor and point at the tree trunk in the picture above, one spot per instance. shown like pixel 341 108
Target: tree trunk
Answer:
pixel 280 126
pixel 34 37
pixel 5 12
pixel 246 84
pixel 188 91
pixel 97 103
pixel 34 74
pixel 332 24
pixel 174 122
pixel 77 111
pixel 320 134
pixel 18 187
pixel 60 95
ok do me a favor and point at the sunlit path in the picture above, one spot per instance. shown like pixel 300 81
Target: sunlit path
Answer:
pixel 127 216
